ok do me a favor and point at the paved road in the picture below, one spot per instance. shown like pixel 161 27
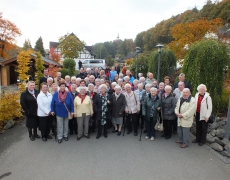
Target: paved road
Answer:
pixel 114 158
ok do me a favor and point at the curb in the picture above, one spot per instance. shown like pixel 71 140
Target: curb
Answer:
pixel 222 158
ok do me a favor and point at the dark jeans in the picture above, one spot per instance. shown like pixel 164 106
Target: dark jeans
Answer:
pixel 150 126
pixel 45 124
pixel 201 129
pixel 100 127
pixel 73 125
pixel 167 127
pixel 129 122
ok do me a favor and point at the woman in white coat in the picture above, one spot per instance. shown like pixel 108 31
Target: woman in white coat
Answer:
pixel 185 109
pixel 203 112
pixel 44 108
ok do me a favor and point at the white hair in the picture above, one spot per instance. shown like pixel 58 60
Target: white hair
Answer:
pixel 117 87
pixel 78 79
pixel 67 76
pixel 121 75
pixel 59 73
pixel 92 76
pixel 102 80
pixel 142 78
pixel 97 80
pixel 73 85
pixel 202 86
pixel 153 89
pixel 90 84
pixel 140 85
pixel 126 77
pixel 88 69
pixel 168 87
pixel 148 85
pixel 182 74
pixel 127 85
pixel 187 89
pixel 161 83
pixel 113 83
pixel 73 77
pixel 50 78
pixel 119 80
pixel 181 82
pixel 102 86
pixel 82 88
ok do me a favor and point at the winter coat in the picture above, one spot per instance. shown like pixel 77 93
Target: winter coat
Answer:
pixel 168 107
pixel 29 103
pixel 44 104
pixel 206 106
pixel 84 107
pixel 187 110
pixel 118 106
pixel 132 103
pixel 147 105
pixel 98 106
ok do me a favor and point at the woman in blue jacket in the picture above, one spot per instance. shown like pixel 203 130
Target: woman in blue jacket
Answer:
pixel 61 104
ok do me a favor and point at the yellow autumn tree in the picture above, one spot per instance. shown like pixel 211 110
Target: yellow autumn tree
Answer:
pixel 185 34
pixel 23 60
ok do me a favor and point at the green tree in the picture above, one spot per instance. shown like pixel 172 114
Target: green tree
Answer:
pixel 204 64
pixel 109 61
pixel 27 45
pixel 139 40
pixel 167 63
pixel 39 46
pixel 70 46
pixel 39 67
pixel 70 65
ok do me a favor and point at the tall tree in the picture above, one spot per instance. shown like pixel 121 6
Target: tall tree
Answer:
pixel 39 67
pixel 27 45
pixel 70 46
pixel 39 46
pixel 186 34
pixel 8 34
pixel 54 56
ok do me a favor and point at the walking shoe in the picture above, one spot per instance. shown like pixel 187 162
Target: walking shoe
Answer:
pixel 183 146
pixel 78 138
pixel 195 141
pixel 152 138
pixel 66 138
pixel 119 133
pixel 87 136
pixel 146 137
pixel 59 141
pixel 49 137
pixel 44 139
pixel 37 136
pixel 167 137
pixel 32 138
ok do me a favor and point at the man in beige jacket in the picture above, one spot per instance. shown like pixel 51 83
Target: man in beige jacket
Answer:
pixel 185 109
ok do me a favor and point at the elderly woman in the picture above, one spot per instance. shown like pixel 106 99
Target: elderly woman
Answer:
pixel 142 80
pixel 54 88
pixel 203 112
pixel 44 112
pixel 83 109
pixel 103 102
pixel 119 82
pixel 150 107
pixel 96 87
pixel 168 108
pixel 61 105
pixel 28 101
pixel 155 84
pixel 185 109
pixel 118 109
pixel 132 109
pixel 49 84
pixel 161 90
pixel 116 77
pixel 67 81
pixel 73 121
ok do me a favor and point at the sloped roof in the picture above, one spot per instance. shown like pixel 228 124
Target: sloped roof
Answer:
pixel 53 44
pixel 131 55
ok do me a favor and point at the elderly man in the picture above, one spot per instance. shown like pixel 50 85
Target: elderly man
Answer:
pixel 45 77
pixel 150 79
pixel 185 110
pixel 96 73
pixel 58 79
pixel 88 72
pixel 186 83
pixel 49 84
pixel 131 78
pixel 78 80
pixel 73 121
pixel 92 79
pixel 179 91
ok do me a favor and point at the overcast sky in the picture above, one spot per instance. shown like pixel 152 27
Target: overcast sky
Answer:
pixel 92 21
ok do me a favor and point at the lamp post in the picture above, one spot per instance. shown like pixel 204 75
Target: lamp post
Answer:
pixel 138 51
pixel 160 47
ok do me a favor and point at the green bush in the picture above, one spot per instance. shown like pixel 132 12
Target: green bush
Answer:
pixel 70 65
pixel 64 72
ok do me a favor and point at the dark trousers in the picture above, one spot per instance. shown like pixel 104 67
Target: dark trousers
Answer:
pixel 129 122
pixel 201 129
pixel 167 127
pixel 175 125
pixel 45 124
pixel 100 127
pixel 73 125
pixel 150 126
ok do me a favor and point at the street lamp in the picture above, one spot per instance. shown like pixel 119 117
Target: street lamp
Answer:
pixel 138 51
pixel 160 47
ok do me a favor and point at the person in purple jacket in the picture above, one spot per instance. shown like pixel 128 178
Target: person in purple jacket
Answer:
pixel 61 104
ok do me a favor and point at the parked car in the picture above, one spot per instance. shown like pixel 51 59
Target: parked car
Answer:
pixel 94 63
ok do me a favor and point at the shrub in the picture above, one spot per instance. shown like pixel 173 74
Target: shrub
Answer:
pixel 70 65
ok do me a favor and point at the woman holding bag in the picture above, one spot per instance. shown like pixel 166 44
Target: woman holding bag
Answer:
pixel 62 105
pixel 150 107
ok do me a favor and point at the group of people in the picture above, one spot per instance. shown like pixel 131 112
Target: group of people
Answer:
pixel 101 99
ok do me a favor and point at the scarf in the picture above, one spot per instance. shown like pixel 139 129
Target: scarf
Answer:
pixel 82 98
pixel 117 95
pixel 104 108
pixel 62 96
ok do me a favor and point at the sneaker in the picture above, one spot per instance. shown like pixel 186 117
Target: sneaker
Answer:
pixel 146 137
pixel 152 138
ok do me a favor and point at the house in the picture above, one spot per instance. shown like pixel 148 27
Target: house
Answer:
pixel 8 75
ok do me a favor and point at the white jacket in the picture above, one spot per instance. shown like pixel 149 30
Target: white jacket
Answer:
pixel 44 104
pixel 206 102
pixel 132 102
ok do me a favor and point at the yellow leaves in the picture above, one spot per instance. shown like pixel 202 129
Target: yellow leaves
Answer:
pixel 23 60
pixel 9 107
pixel 129 61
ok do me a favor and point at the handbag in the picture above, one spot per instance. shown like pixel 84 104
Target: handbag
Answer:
pixel 212 117
pixel 159 125
pixel 69 113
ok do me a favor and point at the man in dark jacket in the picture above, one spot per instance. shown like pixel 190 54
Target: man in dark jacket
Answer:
pixel 186 83
pixel 45 77
pixel 81 74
